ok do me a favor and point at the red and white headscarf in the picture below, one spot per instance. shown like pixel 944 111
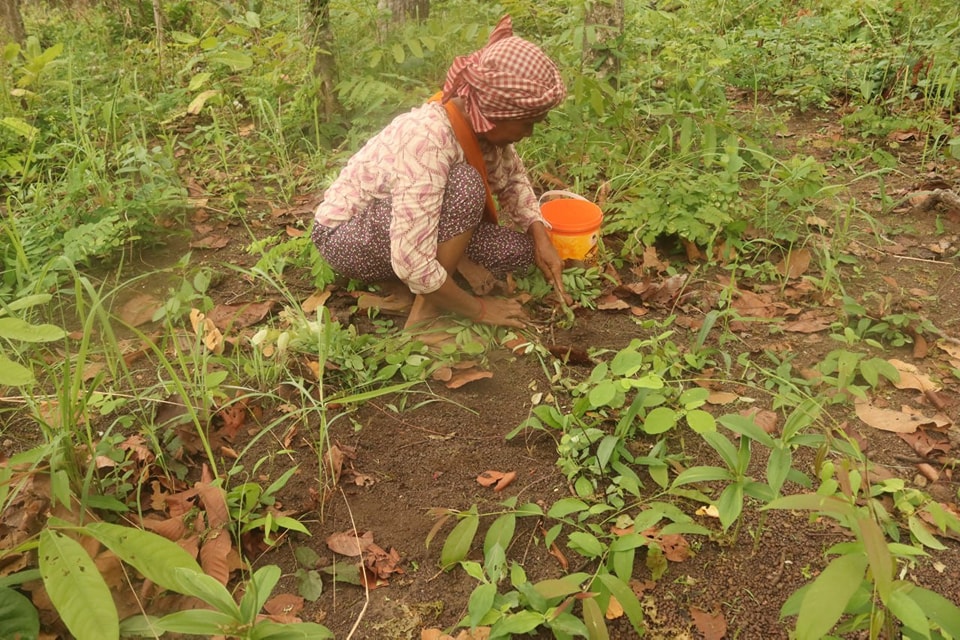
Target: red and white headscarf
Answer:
pixel 509 79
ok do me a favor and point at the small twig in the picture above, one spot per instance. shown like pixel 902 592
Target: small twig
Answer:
pixel 366 587
pixel 898 256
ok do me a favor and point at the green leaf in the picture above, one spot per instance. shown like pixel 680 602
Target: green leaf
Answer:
pixel 824 602
pixel 701 474
pixel 457 544
pixel 76 588
pixel 481 601
pixel 909 612
pixel 778 466
pixel 258 590
pixel 700 421
pixel 201 622
pixel 605 450
pixel 660 420
pixel 236 60
pixel 746 426
pixel 17 329
pixel 586 544
pixel 627 599
pixel 813 502
pixel 881 561
pixel 923 535
pixel 561 587
pixel 13 374
pixel 296 631
pixel 730 504
pixel 566 506
pixel 20 127
pixel 520 622
pixel 602 394
pixel 163 562
pixel 939 609
pixel 18 616
pixel 309 584
pixel 594 619
pixel 719 443
pixel 500 532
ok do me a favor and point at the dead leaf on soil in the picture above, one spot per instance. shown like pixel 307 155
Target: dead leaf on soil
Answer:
pixel 652 262
pixel 286 604
pixel 614 609
pixel 925 444
pixel 713 626
pixel 139 309
pixel 480 633
pixel 911 378
pixel 887 419
pixel 764 418
pixel 460 378
pixel 229 317
pixel 795 263
pixel 808 322
pixel 315 300
pixel 570 354
pixel 207 330
pixel 722 397
pixel 675 547
pixel 708 510
pixel 347 543
pixel 611 302
pixel 210 242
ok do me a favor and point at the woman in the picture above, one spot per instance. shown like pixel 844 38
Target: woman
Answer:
pixel 415 203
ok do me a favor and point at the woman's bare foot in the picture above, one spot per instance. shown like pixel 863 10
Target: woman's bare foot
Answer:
pixel 477 276
pixel 421 313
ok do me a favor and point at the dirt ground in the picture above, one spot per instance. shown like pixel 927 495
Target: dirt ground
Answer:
pixel 406 464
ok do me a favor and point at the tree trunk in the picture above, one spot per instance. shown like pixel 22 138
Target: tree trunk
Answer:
pixel 602 55
pixel 400 10
pixel 324 64
pixel 11 23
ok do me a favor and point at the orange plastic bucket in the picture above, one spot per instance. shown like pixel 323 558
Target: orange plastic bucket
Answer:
pixel 574 225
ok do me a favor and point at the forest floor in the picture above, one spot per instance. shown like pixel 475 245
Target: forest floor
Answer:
pixel 399 468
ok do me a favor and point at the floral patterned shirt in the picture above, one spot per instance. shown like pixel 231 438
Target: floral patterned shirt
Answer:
pixel 408 163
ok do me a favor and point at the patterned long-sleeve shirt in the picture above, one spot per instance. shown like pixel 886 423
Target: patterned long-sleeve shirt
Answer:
pixel 407 163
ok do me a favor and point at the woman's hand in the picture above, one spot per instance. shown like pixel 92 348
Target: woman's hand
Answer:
pixel 547 258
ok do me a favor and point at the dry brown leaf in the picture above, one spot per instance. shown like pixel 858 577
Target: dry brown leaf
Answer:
pixel 795 263
pixel 214 500
pixel 722 397
pixel 207 330
pixel 286 604
pixel 611 302
pixel 172 528
pixel 911 378
pixel 651 261
pixel 887 419
pixel 765 419
pixel 230 317
pixel 316 300
pixel 489 478
pixel 214 552
pixel 210 242
pixel 675 547
pixel 461 378
pixel 808 322
pixel 442 374
pixel 505 481
pixel 614 609
pixel 713 626
pixel 139 309
pixel 333 462
pixel 347 543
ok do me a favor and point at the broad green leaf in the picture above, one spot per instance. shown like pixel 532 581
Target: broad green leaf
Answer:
pixel 630 541
pixel 586 544
pixel 626 363
pixel 18 616
pixel 824 602
pixel 481 601
pixel 700 421
pixel 566 506
pixel 76 588
pixel 517 623
pixel 909 612
pixel 163 562
pixel 13 374
pixel 20 127
pixel 730 504
pixel 17 329
pixel 701 474
pixel 778 466
pixel 561 587
pixel 140 626
pixel 881 561
pixel 259 587
pixel 746 426
pixel 594 619
pixel 309 584
pixel 660 420
pixel 201 622
pixel 813 502
pixel 627 599
pixel 236 60
pixel 719 443
pixel 500 532
pixel 605 450
pixel 602 394
pixel 923 535
pixel 457 544
pixel 267 629
pixel 939 609
pixel 495 563
pixel 569 624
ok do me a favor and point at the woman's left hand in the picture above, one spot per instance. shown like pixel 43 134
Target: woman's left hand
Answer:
pixel 546 257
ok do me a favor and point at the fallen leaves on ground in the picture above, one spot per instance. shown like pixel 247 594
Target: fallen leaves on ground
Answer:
pixel 139 309
pixel 205 328
pixel 230 317
pixel 712 625
pixel 499 480
pixel 376 564
pixel 480 633
pixel 460 378
pixel 911 378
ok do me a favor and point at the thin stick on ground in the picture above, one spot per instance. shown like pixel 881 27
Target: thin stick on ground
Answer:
pixel 366 587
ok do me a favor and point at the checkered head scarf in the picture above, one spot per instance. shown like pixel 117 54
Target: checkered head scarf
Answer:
pixel 509 79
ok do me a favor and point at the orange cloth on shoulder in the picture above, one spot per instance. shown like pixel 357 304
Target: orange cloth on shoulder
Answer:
pixel 471 149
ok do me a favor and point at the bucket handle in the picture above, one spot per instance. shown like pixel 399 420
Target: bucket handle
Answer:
pixel 561 193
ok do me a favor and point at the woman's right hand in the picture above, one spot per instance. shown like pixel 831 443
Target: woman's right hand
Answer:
pixel 503 312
